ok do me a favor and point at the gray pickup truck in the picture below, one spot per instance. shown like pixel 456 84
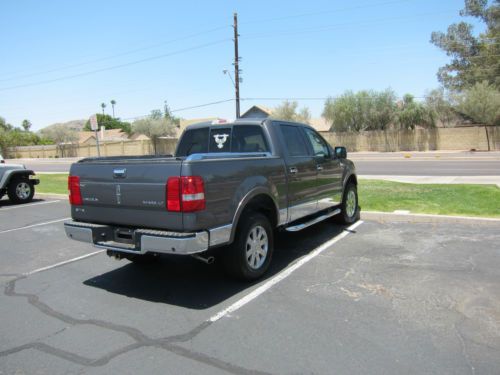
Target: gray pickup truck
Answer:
pixel 229 186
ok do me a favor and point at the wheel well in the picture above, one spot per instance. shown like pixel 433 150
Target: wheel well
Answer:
pixel 352 178
pixel 19 174
pixel 263 204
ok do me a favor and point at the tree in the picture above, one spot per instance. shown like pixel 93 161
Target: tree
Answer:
pixel 26 124
pixel 103 105
pixel 110 123
pixel 288 111
pixel 474 58
pixel 481 103
pixel 3 141
pixel 168 115
pixel 61 135
pixel 155 126
pixel 5 125
pixel 113 102
pixel 440 107
pixel 364 110
pixel 412 113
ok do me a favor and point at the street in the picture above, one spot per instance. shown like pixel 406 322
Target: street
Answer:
pixel 390 164
pixel 380 298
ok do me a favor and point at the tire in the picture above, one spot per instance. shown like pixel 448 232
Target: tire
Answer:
pixel 250 255
pixel 350 211
pixel 21 190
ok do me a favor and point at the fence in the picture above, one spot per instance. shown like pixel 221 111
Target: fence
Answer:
pixel 475 137
pixel 467 138
pixel 142 147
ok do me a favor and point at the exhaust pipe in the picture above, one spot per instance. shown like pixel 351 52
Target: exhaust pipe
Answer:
pixel 207 260
pixel 114 254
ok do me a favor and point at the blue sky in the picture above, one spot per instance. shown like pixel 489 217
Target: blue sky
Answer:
pixel 61 59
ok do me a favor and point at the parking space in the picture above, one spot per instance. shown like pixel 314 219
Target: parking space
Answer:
pixel 375 298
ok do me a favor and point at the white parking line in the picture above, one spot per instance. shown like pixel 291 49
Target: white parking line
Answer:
pixel 282 275
pixel 27 205
pixel 63 263
pixel 34 225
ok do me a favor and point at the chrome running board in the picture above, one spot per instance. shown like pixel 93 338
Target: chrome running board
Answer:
pixel 296 228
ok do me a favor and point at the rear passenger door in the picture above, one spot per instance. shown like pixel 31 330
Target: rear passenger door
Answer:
pixel 301 172
pixel 329 178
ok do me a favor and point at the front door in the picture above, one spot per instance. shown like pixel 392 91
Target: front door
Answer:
pixel 301 173
pixel 329 179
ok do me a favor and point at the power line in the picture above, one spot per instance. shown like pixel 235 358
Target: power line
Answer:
pixel 337 25
pixel 129 52
pixel 185 108
pixel 115 66
pixel 326 12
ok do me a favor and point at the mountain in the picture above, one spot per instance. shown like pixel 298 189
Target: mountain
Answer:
pixel 73 124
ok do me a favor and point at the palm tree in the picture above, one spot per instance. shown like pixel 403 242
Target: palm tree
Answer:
pixel 113 102
pixel 103 105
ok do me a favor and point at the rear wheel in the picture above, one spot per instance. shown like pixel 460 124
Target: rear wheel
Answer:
pixel 21 191
pixel 350 207
pixel 251 253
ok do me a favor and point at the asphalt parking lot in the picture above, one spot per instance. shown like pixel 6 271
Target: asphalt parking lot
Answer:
pixel 378 298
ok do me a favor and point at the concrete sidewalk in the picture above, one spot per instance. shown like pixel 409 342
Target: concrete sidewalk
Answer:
pixel 480 180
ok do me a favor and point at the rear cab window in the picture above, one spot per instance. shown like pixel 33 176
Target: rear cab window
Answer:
pixel 218 139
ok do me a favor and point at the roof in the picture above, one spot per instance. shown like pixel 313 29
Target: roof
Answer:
pixel 185 123
pixel 85 136
pixel 109 135
pixel 320 124
pixel 241 121
pixel 259 108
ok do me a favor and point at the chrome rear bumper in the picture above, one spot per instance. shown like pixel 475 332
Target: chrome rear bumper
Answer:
pixel 141 241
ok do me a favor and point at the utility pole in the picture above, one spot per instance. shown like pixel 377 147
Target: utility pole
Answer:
pixel 236 66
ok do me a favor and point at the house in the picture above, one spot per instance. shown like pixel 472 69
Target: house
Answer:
pixel 257 111
pixel 104 135
pixel 320 124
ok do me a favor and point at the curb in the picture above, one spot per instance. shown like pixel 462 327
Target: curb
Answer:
pixel 427 218
pixel 51 195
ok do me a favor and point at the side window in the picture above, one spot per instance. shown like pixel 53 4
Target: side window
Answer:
pixel 193 141
pixel 294 141
pixel 220 140
pixel 318 144
pixel 248 138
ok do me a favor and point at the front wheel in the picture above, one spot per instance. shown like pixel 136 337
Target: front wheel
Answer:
pixel 350 207
pixel 250 255
pixel 21 191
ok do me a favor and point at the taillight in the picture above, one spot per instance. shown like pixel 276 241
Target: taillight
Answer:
pixel 185 194
pixel 75 195
pixel 174 194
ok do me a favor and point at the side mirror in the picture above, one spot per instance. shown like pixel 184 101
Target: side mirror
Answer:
pixel 340 152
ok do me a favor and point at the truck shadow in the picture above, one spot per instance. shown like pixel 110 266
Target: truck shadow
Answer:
pixel 186 282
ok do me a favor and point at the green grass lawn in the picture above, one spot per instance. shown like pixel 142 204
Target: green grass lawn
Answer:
pixel 52 183
pixel 441 199
pixel 376 195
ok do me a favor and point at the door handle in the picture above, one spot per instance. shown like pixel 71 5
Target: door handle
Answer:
pixel 319 168
pixel 293 170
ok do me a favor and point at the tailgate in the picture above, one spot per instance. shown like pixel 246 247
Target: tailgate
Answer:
pixel 127 192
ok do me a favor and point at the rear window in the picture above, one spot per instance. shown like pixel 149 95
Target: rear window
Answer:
pixel 249 139
pixel 240 138
pixel 193 141
pixel 220 140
